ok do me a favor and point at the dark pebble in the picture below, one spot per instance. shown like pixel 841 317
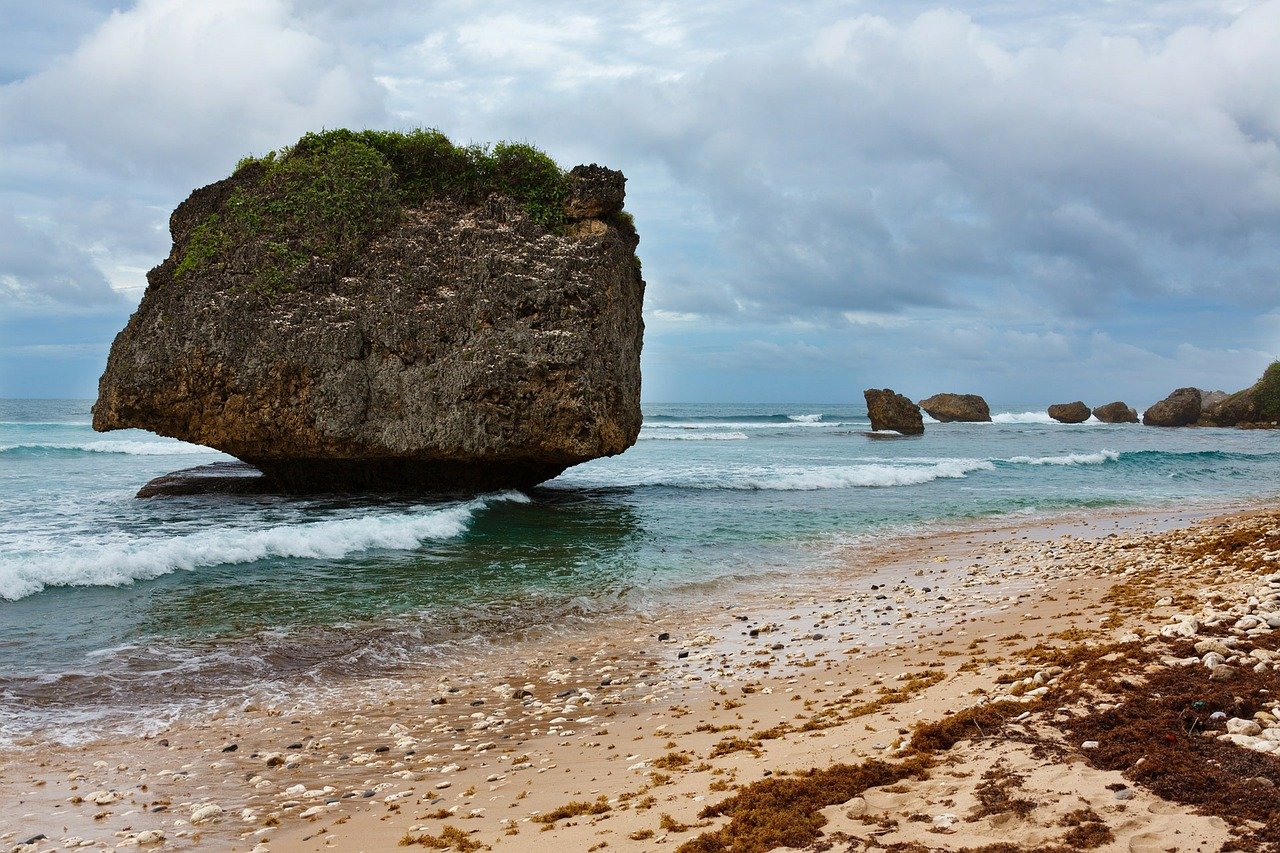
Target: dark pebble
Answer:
pixel 777 646
pixel 438 700
pixel 573 658
pixel 232 747
pixel 816 636
pixel 476 703
pixel 33 839
pixel 682 655
pixel 664 636
pixel 383 749
pixel 164 741
pixel 564 693
pixel 366 794
pixel 159 808
pixel 294 746
pixel 754 632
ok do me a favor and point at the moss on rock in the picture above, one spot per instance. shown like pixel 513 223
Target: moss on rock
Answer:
pixel 323 199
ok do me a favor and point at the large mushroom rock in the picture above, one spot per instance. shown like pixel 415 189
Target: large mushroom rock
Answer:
pixel 388 311
pixel 1070 413
pixel 950 408
pixel 1118 412
pixel 888 410
pixel 1255 406
pixel 1180 408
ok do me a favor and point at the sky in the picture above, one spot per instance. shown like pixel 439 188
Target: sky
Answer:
pixel 1030 201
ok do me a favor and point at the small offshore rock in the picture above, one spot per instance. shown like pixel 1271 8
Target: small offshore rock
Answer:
pixel 957 408
pixel 1070 413
pixel 1181 408
pixel 889 410
pixel 1118 412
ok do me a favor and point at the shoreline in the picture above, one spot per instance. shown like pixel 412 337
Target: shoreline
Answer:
pixel 489 752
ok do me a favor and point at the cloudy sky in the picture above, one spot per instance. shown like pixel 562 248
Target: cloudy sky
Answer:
pixel 1082 200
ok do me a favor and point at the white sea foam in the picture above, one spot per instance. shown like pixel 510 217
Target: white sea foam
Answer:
pixel 119 564
pixel 788 478
pixel 1022 418
pixel 861 476
pixel 694 436
pixel 805 419
pixel 1099 458
pixel 747 425
pixel 170 447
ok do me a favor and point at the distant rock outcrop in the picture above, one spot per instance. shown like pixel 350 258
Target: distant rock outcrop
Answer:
pixel 1118 412
pixel 889 410
pixel 375 310
pixel 1257 406
pixel 1070 413
pixel 1180 408
pixel 950 408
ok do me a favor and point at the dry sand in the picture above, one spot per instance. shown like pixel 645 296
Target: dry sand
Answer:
pixel 624 741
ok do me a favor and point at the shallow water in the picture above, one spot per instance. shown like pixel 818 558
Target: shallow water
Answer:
pixel 115 609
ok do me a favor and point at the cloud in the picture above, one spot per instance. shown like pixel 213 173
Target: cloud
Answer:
pixel 38 269
pixel 885 166
pixel 172 86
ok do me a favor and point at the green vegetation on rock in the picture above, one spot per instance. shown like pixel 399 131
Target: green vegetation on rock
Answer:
pixel 323 199
pixel 1267 392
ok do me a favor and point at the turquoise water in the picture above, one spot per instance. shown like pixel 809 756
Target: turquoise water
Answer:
pixel 105 598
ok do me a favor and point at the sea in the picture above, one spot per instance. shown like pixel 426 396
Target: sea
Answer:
pixel 121 614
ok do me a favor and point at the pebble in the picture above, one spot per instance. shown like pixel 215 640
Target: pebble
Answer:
pixel 207 812
pixel 1090 744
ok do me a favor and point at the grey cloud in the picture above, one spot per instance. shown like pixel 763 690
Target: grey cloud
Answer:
pixel 38 269
pixel 182 89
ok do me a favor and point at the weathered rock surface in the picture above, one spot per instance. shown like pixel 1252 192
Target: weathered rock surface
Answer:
pixel 1070 413
pixel 1118 412
pixel 890 411
pixel 1180 408
pixel 1257 406
pixel 467 347
pixel 950 408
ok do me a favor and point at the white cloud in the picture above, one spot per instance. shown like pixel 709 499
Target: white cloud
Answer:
pixel 171 86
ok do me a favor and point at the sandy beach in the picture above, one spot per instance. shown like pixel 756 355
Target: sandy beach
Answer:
pixel 1095 682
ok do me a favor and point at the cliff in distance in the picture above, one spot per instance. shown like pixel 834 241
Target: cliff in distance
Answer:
pixel 373 310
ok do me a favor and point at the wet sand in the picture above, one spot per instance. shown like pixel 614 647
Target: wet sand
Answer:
pixel 620 739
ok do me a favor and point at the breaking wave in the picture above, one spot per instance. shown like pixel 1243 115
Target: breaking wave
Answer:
pixel 118 564
pixel 1099 458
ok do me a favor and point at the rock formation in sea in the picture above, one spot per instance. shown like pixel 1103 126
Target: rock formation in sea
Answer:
pixel 1180 408
pixel 1257 406
pixel 372 310
pixel 1118 412
pixel 950 408
pixel 1070 413
pixel 888 410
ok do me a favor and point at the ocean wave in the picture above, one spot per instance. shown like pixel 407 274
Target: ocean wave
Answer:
pixel 1099 458
pixel 122 564
pixel 796 478
pixel 171 447
pixel 44 423
pixel 804 419
pixel 1022 418
pixel 696 436
pixel 747 425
